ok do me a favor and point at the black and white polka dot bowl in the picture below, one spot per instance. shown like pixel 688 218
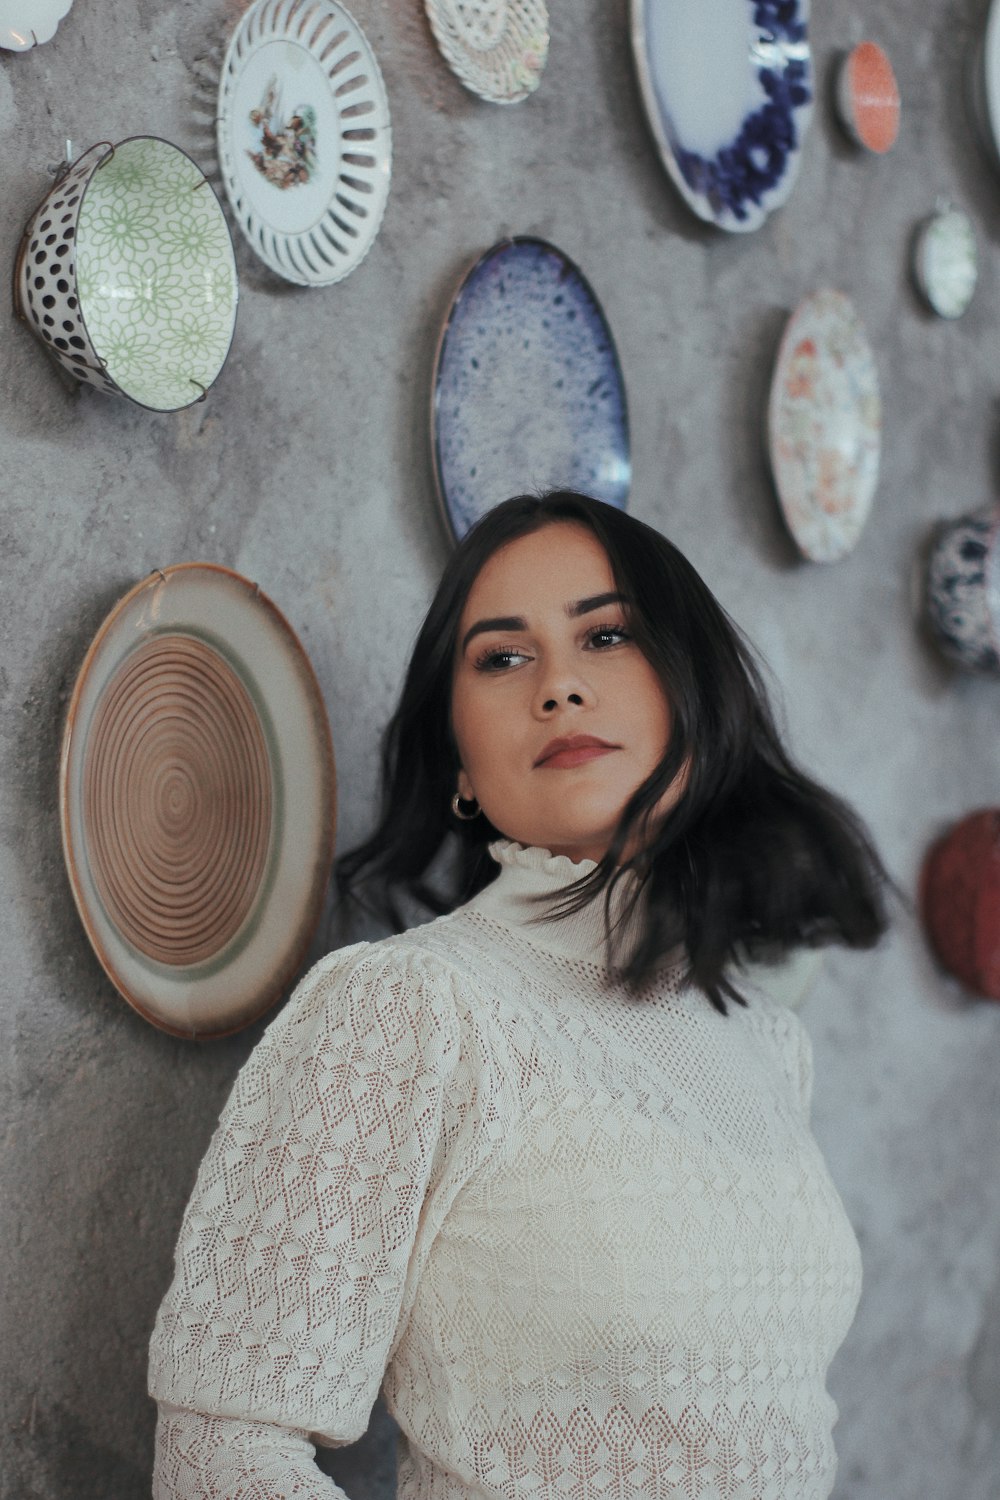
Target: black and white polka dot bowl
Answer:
pixel 126 274
pixel 962 589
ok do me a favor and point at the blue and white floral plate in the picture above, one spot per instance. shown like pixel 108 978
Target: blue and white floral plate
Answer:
pixel 727 87
pixel 527 391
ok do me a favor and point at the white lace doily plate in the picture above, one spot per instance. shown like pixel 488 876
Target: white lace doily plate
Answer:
pixel 305 144
pixel 497 48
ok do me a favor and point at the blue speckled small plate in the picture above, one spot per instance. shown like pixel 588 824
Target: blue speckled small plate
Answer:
pixel 528 392
pixel 728 90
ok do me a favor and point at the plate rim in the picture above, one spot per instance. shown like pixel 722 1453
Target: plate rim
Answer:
pixel 271 991
pixel 696 202
pixel 460 286
pixel 285 11
pixel 990 75
pixel 780 361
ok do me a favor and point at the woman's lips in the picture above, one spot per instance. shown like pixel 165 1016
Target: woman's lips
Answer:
pixel 562 755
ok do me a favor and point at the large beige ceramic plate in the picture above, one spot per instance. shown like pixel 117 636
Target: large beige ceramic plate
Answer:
pixel 197 799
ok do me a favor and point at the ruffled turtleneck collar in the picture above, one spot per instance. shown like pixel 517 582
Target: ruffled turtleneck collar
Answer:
pixel 528 874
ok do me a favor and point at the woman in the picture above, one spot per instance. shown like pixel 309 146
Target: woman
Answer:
pixel 541 1168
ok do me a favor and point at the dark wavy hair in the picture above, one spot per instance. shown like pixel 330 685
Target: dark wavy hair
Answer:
pixel 753 861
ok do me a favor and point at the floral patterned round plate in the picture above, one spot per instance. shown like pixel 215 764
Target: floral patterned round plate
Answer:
pixel 497 48
pixel 727 87
pixel 305 145
pixel 25 23
pixel 197 800
pixel 527 390
pixel 127 276
pixel 825 426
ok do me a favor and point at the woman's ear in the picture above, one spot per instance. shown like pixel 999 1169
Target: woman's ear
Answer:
pixel 465 789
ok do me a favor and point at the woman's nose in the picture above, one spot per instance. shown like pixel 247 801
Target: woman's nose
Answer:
pixel 561 688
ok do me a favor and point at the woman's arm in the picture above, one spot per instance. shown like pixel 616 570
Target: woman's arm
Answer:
pixel 219 1458
pixel 297 1248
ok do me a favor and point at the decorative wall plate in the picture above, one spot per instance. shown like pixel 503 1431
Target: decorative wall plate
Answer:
pixel 305 145
pixel 825 426
pixel 197 800
pixel 868 98
pixel 26 23
pixel 527 390
pixel 962 589
pixel 126 274
pixel 945 262
pixel 985 82
pixel 727 87
pixel 960 901
pixel 497 48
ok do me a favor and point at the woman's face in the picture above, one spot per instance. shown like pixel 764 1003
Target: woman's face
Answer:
pixel 557 715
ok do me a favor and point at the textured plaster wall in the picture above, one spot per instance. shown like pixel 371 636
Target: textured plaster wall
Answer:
pixel 307 469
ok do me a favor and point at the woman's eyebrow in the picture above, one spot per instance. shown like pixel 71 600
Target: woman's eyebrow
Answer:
pixel 518 622
pixel 502 622
pixel 596 601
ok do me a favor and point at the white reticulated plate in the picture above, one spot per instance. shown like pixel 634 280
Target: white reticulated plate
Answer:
pixel 305 145
pixel 945 262
pixel 727 87
pixel 197 800
pixel 25 23
pixel 497 48
pixel 528 392
pixel 825 426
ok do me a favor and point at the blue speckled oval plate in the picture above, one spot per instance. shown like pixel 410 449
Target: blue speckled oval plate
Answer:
pixel 727 87
pixel 527 392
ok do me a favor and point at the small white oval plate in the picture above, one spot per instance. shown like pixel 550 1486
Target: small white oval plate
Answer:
pixel 946 263
pixel 825 426
pixel 26 23
pixel 305 145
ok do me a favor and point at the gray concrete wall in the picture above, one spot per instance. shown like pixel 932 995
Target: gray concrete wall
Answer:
pixel 307 469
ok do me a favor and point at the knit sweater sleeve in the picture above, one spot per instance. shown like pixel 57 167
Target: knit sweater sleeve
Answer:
pixel 348 1131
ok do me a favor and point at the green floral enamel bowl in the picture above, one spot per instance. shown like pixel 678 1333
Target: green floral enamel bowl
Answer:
pixel 126 274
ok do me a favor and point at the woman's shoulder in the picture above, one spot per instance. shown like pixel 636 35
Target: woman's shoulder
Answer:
pixel 424 955
pixel 412 983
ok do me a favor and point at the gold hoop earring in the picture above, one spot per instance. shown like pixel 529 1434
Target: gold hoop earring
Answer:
pixel 457 803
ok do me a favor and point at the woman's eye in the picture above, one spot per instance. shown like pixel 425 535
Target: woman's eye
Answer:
pixel 602 636
pixel 499 658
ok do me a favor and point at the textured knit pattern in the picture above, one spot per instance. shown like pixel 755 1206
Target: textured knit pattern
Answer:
pixel 583 1239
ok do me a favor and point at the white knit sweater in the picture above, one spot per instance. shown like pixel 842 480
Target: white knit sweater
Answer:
pixel 585 1241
